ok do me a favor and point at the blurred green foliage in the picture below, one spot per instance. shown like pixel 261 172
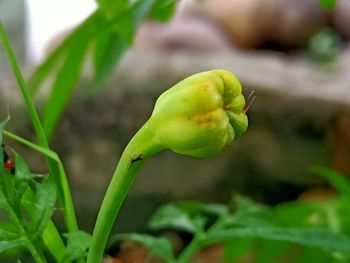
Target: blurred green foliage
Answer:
pixel 297 231
pixel 325 46
pixel 328 4
pixel 104 35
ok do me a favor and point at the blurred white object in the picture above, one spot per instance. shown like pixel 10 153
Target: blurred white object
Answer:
pixel 48 18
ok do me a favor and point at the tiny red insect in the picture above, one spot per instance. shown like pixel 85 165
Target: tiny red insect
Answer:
pixel 9 164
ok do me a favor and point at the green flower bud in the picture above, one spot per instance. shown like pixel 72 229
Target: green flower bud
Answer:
pixel 201 115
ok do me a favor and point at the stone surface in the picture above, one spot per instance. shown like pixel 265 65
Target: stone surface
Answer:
pixel 296 107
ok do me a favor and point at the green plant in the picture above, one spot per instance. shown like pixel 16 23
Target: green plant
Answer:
pixel 208 111
pixel 105 35
pixel 311 231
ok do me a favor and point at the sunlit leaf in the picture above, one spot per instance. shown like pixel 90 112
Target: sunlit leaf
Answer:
pixel 171 216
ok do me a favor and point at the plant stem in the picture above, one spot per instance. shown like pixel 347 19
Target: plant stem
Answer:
pixel 62 183
pixel 139 148
pixel 197 242
pixel 190 250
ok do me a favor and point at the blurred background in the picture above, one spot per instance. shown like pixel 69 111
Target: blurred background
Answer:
pixel 295 54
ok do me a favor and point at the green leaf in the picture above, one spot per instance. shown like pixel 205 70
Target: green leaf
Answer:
pixel 236 248
pixel 247 205
pixel 271 251
pixel 163 10
pixel 6 235
pixel 65 82
pixel 108 51
pixel 194 207
pixel 337 180
pixel 158 246
pixel 113 8
pixel 22 178
pixel 302 236
pixel 78 244
pixel 301 214
pixel 127 24
pixel 171 216
pixel 249 213
pixel 328 4
pixel 46 195
pixel 15 185
pixel 48 67
pixel 4 245
pixel 56 58
pixel 315 255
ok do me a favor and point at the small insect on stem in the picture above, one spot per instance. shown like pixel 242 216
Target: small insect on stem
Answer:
pixel 249 102
pixel 9 163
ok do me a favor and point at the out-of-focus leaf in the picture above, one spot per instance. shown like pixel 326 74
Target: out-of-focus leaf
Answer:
pixel 250 220
pixel 4 245
pixel 56 58
pixel 194 207
pixel 338 181
pixel 163 10
pixel 109 49
pixel 171 216
pixel 328 4
pixel 159 246
pixel 249 213
pixel 314 255
pixel 7 235
pixel 342 206
pixel 325 46
pixel 245 204
pixel 236 248
pixel 300 214
pixel 78 244
pixel 45 203
pixel 66 79
pixel 127 24
pixel 113 8
pixel 302 236
pixel 271 251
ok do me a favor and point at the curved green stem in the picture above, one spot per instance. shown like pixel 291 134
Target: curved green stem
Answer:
pixel 189 251
pixel 139 148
